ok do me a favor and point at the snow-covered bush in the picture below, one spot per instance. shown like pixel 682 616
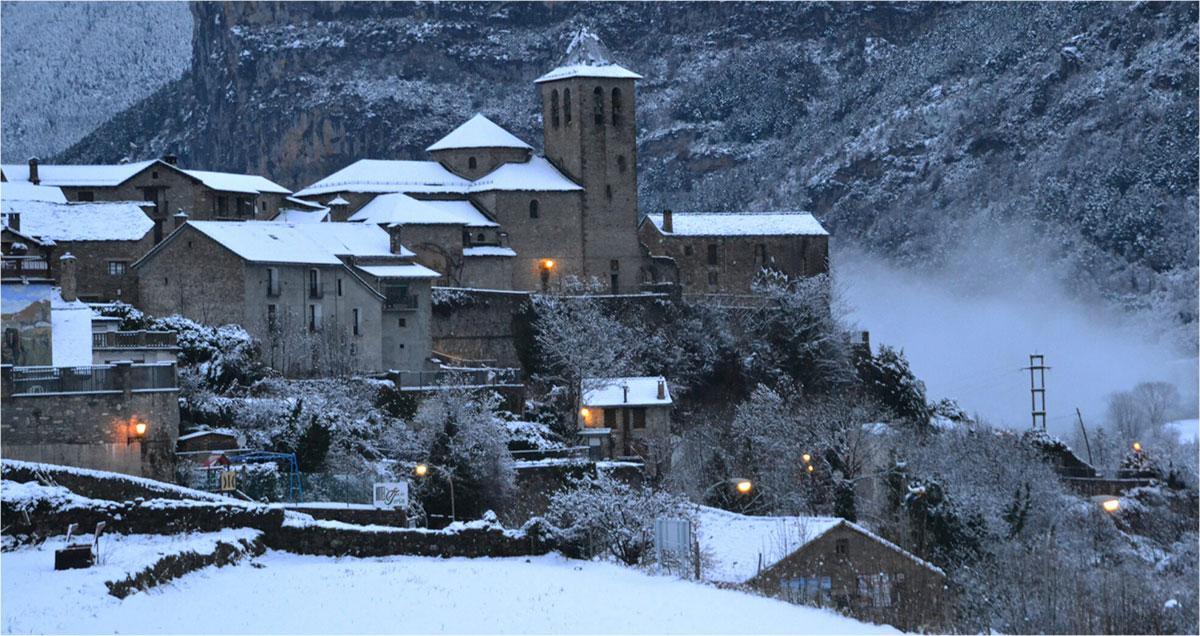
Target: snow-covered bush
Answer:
pixel 221 356
pixel 599 513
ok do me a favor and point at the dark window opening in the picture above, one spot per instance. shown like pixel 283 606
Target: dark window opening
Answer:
pixel 357 322
pixel 608 192
pixel 712 278
pixel 471 163
pixel 712 254
pixel 222 205
pixel 554 108
pixel 621 163
pixel 616 107
pixel 466 237
pixel 598 106
pixel 480 238
pixel 402 322
pixel 88 195
pixel 614 265
pixel 613 282
pixel 272 281
pixel 314 283
pixel 153 174
pixel 533 209
pixel 842 546
pixel 567 105
pixel 639 418
pixel 760 253
pixel 272 317
pixel 687 250
pixel 314 317
pixel 610 418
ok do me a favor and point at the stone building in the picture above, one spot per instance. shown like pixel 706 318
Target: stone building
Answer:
pixel 167 188
pixel 322 298
pixel 572 212
pixel 824 562
pixel 626 417
pixel 722 253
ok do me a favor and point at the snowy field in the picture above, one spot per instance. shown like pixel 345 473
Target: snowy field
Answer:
pixel 281 592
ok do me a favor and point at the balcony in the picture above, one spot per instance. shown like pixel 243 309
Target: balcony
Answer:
pixel 17 267
pixel 103 378
pixel 400 301
pixel 134 340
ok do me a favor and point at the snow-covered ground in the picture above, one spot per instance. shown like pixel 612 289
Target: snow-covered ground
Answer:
pixel 288 593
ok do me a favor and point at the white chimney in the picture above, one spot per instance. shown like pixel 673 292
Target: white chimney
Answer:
pixel 662 389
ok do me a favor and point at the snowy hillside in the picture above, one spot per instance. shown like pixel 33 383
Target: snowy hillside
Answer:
pixel 69 66
pixel 284 593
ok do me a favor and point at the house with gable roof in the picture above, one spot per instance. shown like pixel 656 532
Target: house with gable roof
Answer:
pixel 628 417
pixel 321 298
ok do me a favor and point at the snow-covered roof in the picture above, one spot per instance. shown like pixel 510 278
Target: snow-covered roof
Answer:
pixel 537 174
pixel 587 57
pixel 734 544
pixel 489 250
pixel 411 270
pixel 306 243
pixel 478 132
pixel 379 175
pixel 101 221
pixel 305 203
pixel 288 215
pixel 402 209
pixel 350 239
pixel 740 224
pixel 233 182
pixel 643 391
pixel 25 191
pixel 107 175
pixel 338 200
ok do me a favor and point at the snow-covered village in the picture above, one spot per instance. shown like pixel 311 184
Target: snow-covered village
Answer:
pixel 599 318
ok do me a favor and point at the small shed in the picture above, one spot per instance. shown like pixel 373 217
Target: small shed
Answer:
pixel 626 417
pixel 208 440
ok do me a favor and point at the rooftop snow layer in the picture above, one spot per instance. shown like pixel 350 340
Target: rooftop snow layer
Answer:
pixel 400 271
pixel 378 175
pixel 735 543
pixel 25 191
pixel 643 391
pixel 105 221
pixel 537 174
pixel 77 175
pixel 233 182
pixel 587 57
pixel 740 224
pixel 302 216
pixel 479 132
pixel 308 243
pixel 402 209
pixel 489 250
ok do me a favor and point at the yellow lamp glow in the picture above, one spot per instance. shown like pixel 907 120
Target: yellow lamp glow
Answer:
pixel 140 428
pixel 585 412
pixel 744 486
pixel 1137 447
pixel 810 468
pixel 421 470
pixel 806 457
pixel 547 263
pixel 1111 505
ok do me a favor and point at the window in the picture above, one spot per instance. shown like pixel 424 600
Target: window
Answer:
pixel 610 418
pixel 272 281
pixel 567 106
pixel 166 281
pixel 621 164
pixel 712 278
pixel 480 237
pixel 616 107
pixel 357 321
pixel 639 418
pixel 841 546
pixel 471 163
pixel 314 317
pixel 153 174
pixel 608 192
pixel 402 323
pixel 314 283
pixel 533 209
pixel 598 106
pixel 813 590
pixel 614 265
pixel 877 588
pixel 760 253
pixel 272 317
pixel 712 254
pixel 554 108
pixel 339 288
pixel 158 231
pixel 86 195
pixel 612 281
pixel 687 250
pixel 222 205
pixel 116 268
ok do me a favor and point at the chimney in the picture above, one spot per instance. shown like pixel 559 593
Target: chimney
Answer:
pixel 13 220
pixel 181 217
pixel 171 159
pixel 33 171
pixel 668 222
pixel 662 389
pixel 66 277
pixel 393 230
pixel 625 387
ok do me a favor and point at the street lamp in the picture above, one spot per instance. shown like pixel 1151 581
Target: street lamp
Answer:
pixel 1111 505
pixel 742 486
pixel 1137 447
pixel 137 431
pixel 421 470
pixel 547 266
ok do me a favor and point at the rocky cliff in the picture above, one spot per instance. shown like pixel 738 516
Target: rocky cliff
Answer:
pixel 915 129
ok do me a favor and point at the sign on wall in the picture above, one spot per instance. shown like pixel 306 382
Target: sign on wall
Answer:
pixel 391 494
pixel 228 480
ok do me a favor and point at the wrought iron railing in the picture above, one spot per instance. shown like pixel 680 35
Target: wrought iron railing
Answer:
pixel 400 301
pixel 90 379
pixel 134 340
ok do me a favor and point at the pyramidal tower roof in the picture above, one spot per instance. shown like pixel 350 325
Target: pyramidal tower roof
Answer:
pixel 587 57
pixel 479 132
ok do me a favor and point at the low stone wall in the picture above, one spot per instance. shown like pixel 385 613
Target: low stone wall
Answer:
pixel 98 484
pixel 358 515
pixel 173 566
pixel 329 540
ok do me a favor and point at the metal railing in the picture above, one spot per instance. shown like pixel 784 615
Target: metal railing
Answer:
pixel 90 379
pixel 400 301
pixel 24 265
pixel 134 340
pixel 455 377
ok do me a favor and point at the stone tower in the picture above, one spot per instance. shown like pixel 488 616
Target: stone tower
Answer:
pixel 590 130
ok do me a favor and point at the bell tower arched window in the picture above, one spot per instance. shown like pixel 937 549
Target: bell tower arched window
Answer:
pixel 616 107
pixel 598 106
pixel 554 108
pixel 567 106
pixel 471 163
pixel 533 209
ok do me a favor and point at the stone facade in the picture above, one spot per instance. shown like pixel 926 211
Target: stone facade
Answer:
pixel 94 430
pixel 479 325
pixel 472 163
pixel 556 234
pixel 103 273
pixel 870 579
pixel 487 272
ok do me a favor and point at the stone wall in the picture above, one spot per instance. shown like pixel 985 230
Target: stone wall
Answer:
pixel 332 540
pixel 359 514
pixel 556 234
pixel 477 324
pixel 487 272
pixel 94 283
pixel 192 275
pixel 94 430
pixel 46 518
pixel 458 160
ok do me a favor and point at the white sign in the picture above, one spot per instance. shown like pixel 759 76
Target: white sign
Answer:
pixel 391 494
pixel 673 544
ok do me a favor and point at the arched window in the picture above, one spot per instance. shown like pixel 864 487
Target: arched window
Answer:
pixel 621 163
pixel 554 108
pixel 471 163
pixel 567 106
pixel 533 209
pixel 598 106
pixel 616 107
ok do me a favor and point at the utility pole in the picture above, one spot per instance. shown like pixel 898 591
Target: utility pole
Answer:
pixel 1085 437
pixel 1037 389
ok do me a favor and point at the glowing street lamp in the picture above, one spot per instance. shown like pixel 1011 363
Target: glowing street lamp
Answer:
pixel 547 264
pixel 137 431
pixel 585 412
pixel 806 457
pixel 1137 447
pixel 422 470
pixel 1111 505
pixel 744 486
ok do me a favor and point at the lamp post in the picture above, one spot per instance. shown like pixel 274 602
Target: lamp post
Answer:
pixel 742 486
pixel 421 470
pixel 137 431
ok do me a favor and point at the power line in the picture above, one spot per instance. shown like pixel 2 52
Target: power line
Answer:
pixel 1037 390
